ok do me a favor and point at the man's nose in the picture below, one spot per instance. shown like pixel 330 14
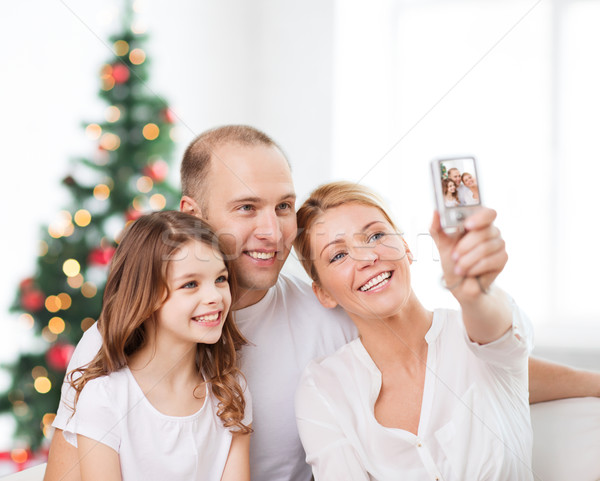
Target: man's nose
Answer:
pixel 268 227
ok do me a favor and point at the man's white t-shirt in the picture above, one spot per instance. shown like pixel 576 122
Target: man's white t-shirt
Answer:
pixel 465 196
pixel 286 330
pixel 474 423
pixel 151 445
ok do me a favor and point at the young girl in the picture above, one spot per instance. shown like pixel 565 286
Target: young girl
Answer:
pixel 450 193
pixel 420 395
pixel 162 398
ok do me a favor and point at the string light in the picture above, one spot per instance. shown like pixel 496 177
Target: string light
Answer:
pixel 56 325
pixel 150 131
pixel 175 134
pixel 71 268
pixel 42 385
pixel 101 192
pixel 144 184
pixel 158 202
pixel 137 56
pixel 82 218
pixel 121 47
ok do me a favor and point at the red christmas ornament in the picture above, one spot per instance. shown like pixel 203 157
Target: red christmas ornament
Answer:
pixel 120 73
pixel 168 116
pixel 157 171
pixel 133 214
pixel 26 284
pixel 32 300
pixel 101 255
pixel 59 355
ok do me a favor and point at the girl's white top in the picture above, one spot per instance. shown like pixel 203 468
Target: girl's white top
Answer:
pixel 474 422
pixel 152 446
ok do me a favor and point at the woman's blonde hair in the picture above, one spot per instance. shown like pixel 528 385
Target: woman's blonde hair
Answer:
pixel 323 198
pixel 136 288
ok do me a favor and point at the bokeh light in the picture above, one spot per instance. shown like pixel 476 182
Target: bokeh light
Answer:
pixel 101 192
pixel 76 281
pixel 26 320
pixel 150 131
pixel 71 268
pixel 137 56
pixel 112 113
pixel 87 323
pixel 121 47
pixel 110 141
pixel 158 202
pixel 56 325
pixel 42 385
pixel 82 217
pixel 39 371
pixel 52 303
pixel 65 300
pixel 93 131
pixel 88 289
pixel 144 184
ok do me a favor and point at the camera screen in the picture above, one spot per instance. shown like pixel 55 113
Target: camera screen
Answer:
pixel 459 182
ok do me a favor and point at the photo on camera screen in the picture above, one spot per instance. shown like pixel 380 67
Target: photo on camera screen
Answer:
pixel 459 182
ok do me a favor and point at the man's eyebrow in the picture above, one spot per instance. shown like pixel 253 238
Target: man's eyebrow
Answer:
pixel 258 200
pixel 339 241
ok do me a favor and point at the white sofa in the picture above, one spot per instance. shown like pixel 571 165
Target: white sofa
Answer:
pixel 566 442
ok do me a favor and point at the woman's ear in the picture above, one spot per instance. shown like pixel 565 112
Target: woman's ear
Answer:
pixel 190 206
pixel 324 298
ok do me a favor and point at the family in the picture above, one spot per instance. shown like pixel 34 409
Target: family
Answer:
pixel 208 363
pixel 460 189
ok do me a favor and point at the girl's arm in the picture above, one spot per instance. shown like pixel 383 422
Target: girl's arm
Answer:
pixel 237 466
pixel 97 461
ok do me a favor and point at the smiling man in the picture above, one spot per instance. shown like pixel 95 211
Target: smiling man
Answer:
pixel 238 179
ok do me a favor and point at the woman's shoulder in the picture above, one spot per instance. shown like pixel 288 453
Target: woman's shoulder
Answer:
pixel 347 365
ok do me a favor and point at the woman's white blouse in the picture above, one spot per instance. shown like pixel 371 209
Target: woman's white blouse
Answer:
pixel 474 422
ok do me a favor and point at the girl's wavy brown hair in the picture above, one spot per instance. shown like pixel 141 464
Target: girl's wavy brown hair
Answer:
pixel 136 288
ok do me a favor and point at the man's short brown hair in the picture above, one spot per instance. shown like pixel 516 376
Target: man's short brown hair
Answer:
pixel 197 158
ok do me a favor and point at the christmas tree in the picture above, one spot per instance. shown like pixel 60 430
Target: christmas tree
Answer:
pixel 125 177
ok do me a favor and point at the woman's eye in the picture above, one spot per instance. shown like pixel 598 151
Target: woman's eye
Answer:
pixel 220 279
pixel 337 257
pixel 376 236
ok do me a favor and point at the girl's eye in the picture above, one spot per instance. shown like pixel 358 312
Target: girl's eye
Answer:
pixel 190 285
pixel 337 257
pixel 221 279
